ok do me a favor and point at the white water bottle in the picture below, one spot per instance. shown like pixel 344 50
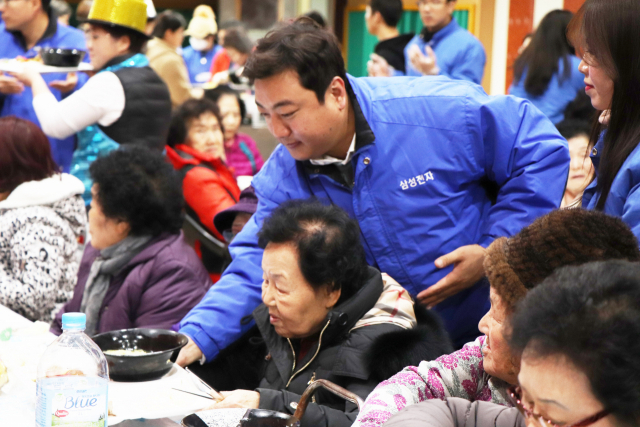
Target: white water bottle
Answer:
pixel 73 379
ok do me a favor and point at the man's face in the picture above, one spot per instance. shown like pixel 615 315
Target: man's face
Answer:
pixel 18 14
pixel 435 14
pixel 307 128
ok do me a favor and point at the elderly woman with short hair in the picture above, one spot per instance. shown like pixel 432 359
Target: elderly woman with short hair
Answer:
pixel 324 311
pixel 484 369
pixel 137 271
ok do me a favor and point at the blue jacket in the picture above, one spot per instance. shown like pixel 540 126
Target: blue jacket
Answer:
pixel 459 54
pixel 20 105
pixel 199 62
pixel 419 192
pixel 624 197
pixel 558 94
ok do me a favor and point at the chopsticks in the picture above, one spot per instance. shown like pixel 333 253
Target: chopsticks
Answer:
pixel 195 394
pixel 215 395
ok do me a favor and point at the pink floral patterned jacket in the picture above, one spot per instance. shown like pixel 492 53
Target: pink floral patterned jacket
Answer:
pixel 458 374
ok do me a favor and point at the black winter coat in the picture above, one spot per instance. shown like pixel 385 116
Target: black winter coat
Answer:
pixel 339 356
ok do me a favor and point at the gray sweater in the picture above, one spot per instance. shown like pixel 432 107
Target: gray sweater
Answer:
pixel 455 412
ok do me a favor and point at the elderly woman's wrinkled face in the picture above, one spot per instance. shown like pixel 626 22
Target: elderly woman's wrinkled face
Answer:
pixel 205 134
pixel 497 360
pixel 296 309
pixel 555 389
pixel 104 231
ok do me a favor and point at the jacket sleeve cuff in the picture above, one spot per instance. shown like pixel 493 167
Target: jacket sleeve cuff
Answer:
pixel 204 342
pixel 273 400
pixel 486 241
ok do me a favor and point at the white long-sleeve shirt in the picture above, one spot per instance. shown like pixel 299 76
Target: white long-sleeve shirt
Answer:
pixel 101 100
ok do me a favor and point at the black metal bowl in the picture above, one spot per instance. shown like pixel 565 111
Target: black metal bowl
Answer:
pixel 62 57
pixel 160 343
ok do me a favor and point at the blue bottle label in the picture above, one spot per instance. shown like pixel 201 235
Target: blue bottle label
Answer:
pixel 72 401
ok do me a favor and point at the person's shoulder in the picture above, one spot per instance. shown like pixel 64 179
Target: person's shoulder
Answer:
pixel 464 39
pixel 70 34
pixel 393 96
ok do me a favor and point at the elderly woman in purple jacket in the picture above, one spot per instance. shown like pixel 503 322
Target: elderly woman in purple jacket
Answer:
pixel 137 271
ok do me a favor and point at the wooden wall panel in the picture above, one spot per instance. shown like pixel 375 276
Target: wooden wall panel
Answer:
pixel 573 5
pixel 520 24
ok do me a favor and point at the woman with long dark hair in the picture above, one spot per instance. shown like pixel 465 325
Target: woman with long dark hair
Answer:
pixel 605 32
pixel 546 73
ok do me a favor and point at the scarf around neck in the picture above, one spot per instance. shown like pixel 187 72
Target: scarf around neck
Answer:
pixel 110 262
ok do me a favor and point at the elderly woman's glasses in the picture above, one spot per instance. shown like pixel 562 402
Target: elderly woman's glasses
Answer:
pixel 515 396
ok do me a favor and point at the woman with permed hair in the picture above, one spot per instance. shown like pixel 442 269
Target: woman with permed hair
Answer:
pixel 576 335
pixel 483 370
pixel 137 271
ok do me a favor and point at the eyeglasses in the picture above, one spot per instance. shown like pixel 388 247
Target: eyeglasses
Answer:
pixel 429 2
pixel 514 394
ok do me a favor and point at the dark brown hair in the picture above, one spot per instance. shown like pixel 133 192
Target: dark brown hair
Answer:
pixel 301 46
pixel 25 153
pixel 563 237
pixel 607 32
pixel 191 109
pixel 541 58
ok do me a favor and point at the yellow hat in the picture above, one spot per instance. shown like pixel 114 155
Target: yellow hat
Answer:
pixel 124 13
pixel 203 23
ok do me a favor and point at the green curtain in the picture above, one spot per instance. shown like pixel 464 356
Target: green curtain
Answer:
pixel 360 43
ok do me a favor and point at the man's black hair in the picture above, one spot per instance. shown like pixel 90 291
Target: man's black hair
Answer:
pixel 46 5
pixel 59 7
pixel 191 109
pixel 327 241
pixel 138 186
pixel 168 20
pixel 572 128
pixel 390 10
pixel 301 46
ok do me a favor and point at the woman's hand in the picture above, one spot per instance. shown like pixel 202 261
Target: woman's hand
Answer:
pixel 238 399
pixel 189 354
pixel 67 85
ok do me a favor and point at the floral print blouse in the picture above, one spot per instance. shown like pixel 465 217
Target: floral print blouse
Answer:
pixel 459 374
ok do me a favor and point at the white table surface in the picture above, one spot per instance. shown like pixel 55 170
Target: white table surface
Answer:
pixel 21 354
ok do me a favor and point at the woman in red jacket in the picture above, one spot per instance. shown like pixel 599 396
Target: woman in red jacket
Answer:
pixel 195 147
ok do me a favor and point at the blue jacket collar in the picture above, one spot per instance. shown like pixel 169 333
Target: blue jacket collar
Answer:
pixel 450 28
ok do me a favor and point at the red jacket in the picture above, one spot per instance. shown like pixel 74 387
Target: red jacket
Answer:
pixel 206 191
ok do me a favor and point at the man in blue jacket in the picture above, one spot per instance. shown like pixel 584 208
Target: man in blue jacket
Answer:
pixel 442 48
pixel 27 25
pixel 432 169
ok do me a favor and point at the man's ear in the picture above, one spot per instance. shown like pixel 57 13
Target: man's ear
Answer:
pixel 338 91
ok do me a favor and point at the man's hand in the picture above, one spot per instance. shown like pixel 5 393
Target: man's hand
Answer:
pixel 467 270
pixel 377 66
pixel 65 86
pixel 426 64
pixel 10 85
pixel 238 399
pixel 189 354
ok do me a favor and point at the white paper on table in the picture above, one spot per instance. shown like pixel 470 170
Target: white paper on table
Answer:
pixel 156 399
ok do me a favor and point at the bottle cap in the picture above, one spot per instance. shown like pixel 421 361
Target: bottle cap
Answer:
pixel 74 321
